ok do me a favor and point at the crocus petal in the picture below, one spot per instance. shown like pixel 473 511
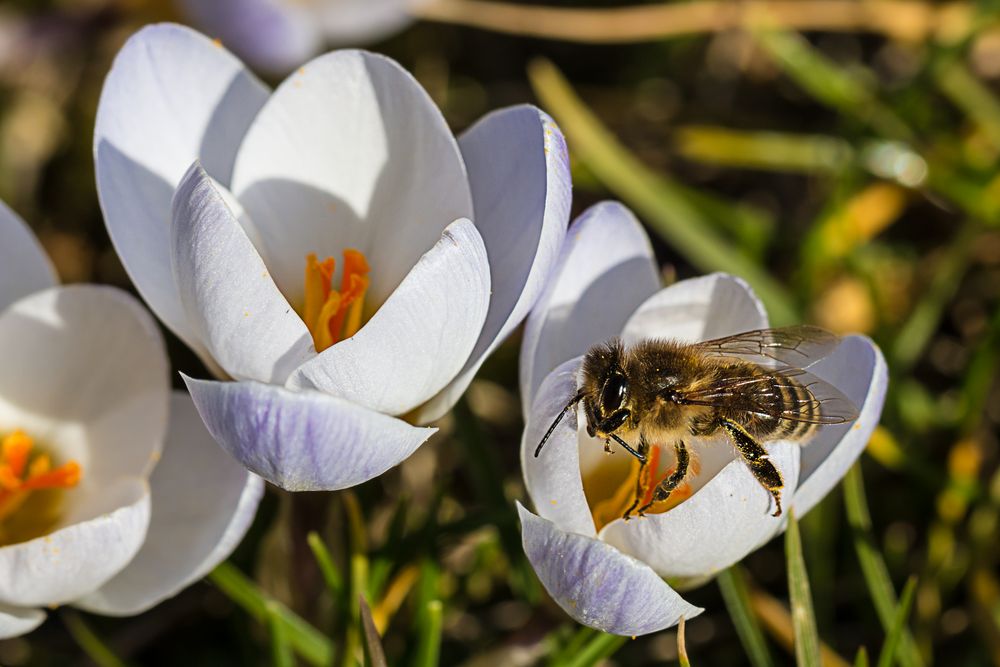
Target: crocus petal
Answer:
pixel 553 477
pixel 350 152
pixel 77 559
pixel 83 360
pixel 202 504
pixel 698 309
pixel 227 292
pixel 272 35
pixel 722 522
pixel 303 441
pixel 350 22
pixel 605 270
pixel 420 337
pixel 172 96
pixel 519 172
pixel 858 369
pixel 17 621
pixel 598 585
pixel 24 267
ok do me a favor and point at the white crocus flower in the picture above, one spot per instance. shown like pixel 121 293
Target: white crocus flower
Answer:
pixel 347 158
pixel 278 35
pixel 606 572
pixel 113 497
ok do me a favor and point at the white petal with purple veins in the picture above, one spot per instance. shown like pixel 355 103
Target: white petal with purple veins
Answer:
pixel 303 441
pixel 598 585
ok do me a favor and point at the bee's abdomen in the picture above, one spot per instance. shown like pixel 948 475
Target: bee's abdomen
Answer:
pixel 795 411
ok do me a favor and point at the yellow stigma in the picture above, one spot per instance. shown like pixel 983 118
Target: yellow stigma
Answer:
pixel 610 495
pixel 30 489
pixel 333 315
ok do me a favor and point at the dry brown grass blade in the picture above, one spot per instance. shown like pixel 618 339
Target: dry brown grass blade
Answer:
pixel 777 620
pixel 908 20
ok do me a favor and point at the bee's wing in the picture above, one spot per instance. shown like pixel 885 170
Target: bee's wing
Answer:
pixel 765 396
pixel 796 346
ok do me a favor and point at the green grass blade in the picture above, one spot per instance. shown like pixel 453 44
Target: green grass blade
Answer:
pixel 888 652
pixel 306 640
pixel 861 659
pixel 661 203
pixel 89 642
pixel 767 151
pixel 831 84
pixel 281 648
pixel 331 576
pixel 429 648
pixel 966 92
pixel 803 619
pixel 597 649
pixel 873 566
pixel 737 599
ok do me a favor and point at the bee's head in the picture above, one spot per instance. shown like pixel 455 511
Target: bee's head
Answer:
pixel 605 387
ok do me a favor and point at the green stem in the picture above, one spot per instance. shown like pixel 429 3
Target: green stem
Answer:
pixel 306 640
pixel 89 642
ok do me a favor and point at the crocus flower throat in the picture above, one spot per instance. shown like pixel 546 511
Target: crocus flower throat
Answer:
pixel 30 489
pixel 333 315
pixel 610 494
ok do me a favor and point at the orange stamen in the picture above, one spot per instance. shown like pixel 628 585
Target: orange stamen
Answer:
pixel 15 451
pixel 332 315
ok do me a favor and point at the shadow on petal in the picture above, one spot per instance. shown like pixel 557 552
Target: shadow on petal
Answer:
pixel 858 369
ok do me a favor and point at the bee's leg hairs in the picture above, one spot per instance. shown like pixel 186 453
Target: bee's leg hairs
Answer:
pixel 756 458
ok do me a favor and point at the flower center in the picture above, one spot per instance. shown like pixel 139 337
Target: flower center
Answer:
pixel 611 493
pixel 333 315
pixel 30 489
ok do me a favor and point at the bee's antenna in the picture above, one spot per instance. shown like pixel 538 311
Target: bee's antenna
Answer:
pixel 576 399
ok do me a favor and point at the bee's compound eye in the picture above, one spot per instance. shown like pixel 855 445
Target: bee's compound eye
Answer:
pixel 613 394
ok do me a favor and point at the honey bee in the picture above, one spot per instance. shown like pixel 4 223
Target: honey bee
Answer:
pixel 751 386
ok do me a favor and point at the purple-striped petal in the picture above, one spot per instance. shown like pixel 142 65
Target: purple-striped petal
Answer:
pixel 598 585
pixel 303 441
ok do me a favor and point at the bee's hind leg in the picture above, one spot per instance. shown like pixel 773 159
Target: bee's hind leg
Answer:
pixel 663 490
pixel 757 460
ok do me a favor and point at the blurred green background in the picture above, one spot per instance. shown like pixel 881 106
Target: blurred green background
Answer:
pixel 850 175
